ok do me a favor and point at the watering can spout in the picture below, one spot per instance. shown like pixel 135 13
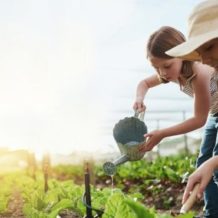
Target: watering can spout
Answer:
pixel 110 167
pixel 121 160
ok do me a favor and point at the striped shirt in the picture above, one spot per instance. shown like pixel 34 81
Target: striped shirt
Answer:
pixel 187 89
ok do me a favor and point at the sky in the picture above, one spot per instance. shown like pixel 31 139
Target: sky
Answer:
pixel 67 67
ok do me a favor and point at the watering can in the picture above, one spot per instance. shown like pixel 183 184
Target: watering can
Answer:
pixel 129 135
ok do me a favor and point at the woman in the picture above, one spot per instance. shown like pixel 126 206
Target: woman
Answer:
pixel 202 44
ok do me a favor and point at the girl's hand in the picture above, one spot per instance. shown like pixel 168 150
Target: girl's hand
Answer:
pixel 139 105
pixel 153 138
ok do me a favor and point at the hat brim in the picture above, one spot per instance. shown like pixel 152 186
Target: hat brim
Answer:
pixel 187 50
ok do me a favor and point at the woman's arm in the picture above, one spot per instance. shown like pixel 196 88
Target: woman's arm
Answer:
pixel 202 176
pixel 141 91
pixel 201 85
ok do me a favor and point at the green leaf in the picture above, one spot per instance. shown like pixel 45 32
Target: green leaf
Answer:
pixel 63 204
pixel 119 206
pixel 139 209
pixel 187 215
pixel 112 205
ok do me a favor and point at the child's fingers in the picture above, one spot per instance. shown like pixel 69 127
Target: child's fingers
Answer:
pixel 140 107
pixel 147 135
pixel 146 146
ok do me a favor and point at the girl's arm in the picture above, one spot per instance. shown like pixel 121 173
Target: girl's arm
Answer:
pixel 141 91
pixel 201 85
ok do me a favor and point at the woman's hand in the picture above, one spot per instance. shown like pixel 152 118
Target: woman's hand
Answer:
pixel 153 138
pixel 202 176
pixel 139 105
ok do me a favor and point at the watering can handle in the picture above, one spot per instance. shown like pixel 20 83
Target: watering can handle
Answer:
pixel 139 115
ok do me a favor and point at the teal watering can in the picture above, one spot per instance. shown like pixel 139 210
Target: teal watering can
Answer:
pixel 129 135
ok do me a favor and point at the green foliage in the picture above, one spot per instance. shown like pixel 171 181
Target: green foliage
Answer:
pixel 5 193
pixel 139 176
pixel 74 172
pixel 187 215
pixel 139 209
pixel 119 205
pixel 155 179
pixel 61 195
pixel 170 168
pixel 3 204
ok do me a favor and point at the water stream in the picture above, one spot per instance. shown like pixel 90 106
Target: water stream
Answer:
pixel 112 183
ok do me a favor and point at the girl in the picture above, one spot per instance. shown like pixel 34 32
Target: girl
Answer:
pixel 196 80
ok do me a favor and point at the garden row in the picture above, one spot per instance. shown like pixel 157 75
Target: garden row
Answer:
pixel 141 189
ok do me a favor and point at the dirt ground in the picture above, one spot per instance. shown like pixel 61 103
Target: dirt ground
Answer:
pixel 15 206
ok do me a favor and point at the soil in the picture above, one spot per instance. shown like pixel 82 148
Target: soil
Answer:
pixel 68 214
pixel 15 206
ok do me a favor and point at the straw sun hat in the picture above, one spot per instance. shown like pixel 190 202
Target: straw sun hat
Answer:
pixel 203 27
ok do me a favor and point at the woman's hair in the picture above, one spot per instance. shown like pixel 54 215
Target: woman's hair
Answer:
pixel 161 41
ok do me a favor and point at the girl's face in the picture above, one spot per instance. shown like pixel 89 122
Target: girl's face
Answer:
pixel 169 69
pixel 209 53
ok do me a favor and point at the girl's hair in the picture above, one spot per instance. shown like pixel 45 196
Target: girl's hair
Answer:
pixel 164 39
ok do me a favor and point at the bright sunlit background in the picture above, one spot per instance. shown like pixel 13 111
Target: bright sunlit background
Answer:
pixel 69 68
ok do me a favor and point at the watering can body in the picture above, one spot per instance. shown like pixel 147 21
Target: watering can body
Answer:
pixel 129 135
